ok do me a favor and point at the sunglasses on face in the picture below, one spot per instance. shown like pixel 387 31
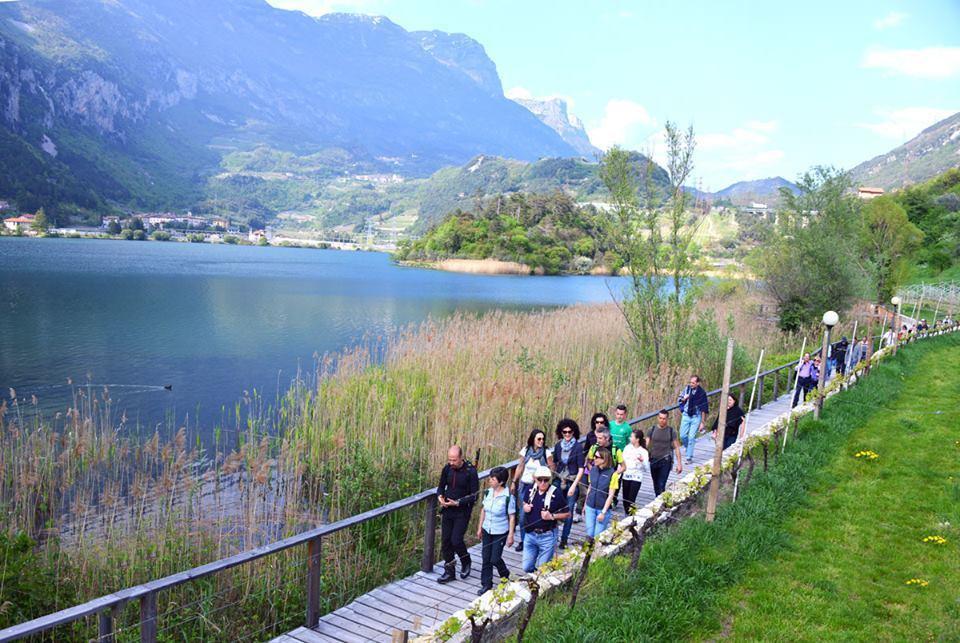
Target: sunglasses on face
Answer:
pixel 566 431
pixel 543 479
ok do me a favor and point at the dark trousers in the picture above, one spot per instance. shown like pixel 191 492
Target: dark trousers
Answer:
pixel 660 471
pixel 453 525
pixel 804 385
pixel 728 440
pixel 630 490
pixel 841 363
pixel 492 547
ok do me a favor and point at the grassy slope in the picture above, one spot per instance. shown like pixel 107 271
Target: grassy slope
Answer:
pixel 688 578
pixel 860 537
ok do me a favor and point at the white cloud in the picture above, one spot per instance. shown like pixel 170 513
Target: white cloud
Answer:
pixel 763 126
pixel 742 153
pixel 892 19
pixel 902 124
pixel 619 123
pixel 518 92
pixel 930 62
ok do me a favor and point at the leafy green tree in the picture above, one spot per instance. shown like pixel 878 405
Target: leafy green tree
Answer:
pixel 40 223
pixel 114 227
pixel 136 223
pixel 888 241
pixel 808 263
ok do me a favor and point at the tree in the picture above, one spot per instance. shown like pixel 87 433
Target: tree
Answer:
pixel 659 305
pixel 809 263
pixel 136 223
pixel 888 240
pixel 114 227
pixel 40 222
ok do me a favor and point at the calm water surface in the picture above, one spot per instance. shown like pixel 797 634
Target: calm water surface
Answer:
pixel 214 321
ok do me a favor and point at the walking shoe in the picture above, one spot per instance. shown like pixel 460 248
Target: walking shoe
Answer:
pixel 449 575
pixel 465 569
pixel 483 590
pixel 689 460
pixel 519 546
pixel 577 517
pixel 563 544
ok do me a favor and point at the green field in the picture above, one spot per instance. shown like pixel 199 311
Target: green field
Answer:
pixel 819 548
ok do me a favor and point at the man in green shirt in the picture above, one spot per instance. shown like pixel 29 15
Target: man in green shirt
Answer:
pixel 620 429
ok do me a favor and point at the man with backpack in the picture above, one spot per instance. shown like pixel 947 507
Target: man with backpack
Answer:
pixel 456 494
pixel 694 407
pixel 544 507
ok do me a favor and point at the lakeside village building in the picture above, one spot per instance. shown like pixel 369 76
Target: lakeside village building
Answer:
pixel 158 221
pixel 20 223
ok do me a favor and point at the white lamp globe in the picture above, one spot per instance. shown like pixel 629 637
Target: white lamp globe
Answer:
pixel 830 318
pixel 896 300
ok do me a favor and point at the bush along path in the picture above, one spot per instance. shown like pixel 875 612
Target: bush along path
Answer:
pixel 828 542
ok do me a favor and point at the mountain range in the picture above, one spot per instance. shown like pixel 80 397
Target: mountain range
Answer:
pixel 934 151
pixel 138 101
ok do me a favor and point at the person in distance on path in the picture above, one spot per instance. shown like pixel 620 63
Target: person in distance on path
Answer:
pixel 456 494
pixel 694 407
pixel 735 424
pixel 662 446
pixel 636 460
pixel 568 457
pixel 604 480
pixel 498 516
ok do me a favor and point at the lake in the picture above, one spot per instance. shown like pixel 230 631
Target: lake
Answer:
pixel 213 321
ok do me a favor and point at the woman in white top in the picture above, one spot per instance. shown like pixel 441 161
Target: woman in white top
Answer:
pixel 535 454
pixel 636 460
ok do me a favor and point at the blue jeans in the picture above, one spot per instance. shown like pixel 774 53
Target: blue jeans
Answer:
pixel 571 504
pixel 593 526
pixel 689 425
pixel 523 491
pixel 538 549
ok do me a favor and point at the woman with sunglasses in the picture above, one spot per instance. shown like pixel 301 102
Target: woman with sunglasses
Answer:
pixel 568 457
pixel 604 481
pixel 534 455
pixel 598 421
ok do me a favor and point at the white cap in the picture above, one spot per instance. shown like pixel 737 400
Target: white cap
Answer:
pixel 542 472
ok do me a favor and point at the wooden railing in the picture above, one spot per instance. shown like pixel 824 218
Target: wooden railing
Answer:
pixel 106 608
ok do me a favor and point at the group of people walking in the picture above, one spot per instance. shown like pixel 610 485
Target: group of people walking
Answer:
pixel 574 479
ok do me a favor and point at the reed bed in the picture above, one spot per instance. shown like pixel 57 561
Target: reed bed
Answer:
pixel 371 425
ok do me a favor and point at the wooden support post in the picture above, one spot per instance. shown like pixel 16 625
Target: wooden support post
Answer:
pixel 105 626
pixel 314 574
pixel 718 441
pixel 148 618
pixel 399 636
pixel 429 535
pixel 776 385
pixel 760 392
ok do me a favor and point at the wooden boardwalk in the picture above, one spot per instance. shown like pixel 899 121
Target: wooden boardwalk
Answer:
pixel 418 603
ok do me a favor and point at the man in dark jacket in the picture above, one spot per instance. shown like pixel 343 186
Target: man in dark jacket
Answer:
pixel 456 494
pixel 840 354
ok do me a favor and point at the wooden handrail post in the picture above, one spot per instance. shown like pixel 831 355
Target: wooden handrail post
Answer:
pixel 760 393
pixel 105 626
pixel 776 385
pixel 314 573
pixel 429 535
pixel 148 618
pixel 718 441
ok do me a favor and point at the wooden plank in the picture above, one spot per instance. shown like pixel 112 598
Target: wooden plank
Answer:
pixel 303 635
pixel 359 630
pixel 384 621
pixel 417 621
pixel 433 585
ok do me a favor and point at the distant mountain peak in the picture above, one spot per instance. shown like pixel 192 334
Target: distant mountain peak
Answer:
pixel 554 113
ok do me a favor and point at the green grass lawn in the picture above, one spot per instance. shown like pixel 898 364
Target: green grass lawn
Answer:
pixel 857 542
pixel 818 548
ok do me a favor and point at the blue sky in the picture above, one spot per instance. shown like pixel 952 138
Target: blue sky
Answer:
pixel 770 90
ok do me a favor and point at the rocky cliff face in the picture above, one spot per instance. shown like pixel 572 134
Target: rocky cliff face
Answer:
pixel 144 96
pixel 554 114
pixel 934 151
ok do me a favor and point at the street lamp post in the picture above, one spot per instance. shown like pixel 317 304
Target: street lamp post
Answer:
pixel 830 319
pixel 896 301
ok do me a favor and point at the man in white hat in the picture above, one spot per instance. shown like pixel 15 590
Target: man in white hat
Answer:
pixel 545 507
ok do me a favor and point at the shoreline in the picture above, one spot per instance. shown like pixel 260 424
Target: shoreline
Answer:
pixel 517 269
